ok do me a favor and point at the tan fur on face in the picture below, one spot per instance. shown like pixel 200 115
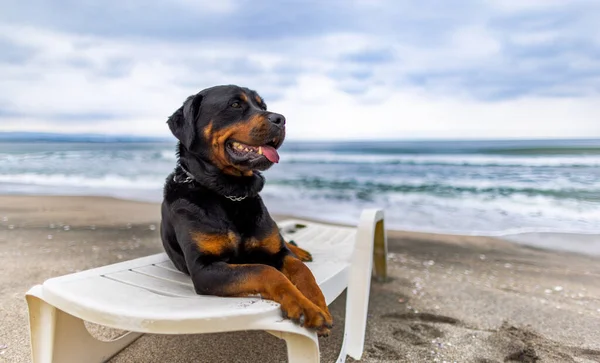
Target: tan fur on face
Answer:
pixel 240 131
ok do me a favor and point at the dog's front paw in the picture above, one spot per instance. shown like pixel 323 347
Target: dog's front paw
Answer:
pixel 324 332
pixel 303 255
pixel 307 314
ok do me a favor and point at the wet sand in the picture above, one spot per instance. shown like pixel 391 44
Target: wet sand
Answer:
pixel 449 298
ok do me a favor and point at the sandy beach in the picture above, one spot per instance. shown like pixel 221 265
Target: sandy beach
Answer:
pixel 449 299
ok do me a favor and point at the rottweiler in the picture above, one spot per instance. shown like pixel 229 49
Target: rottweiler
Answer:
pixel 215 226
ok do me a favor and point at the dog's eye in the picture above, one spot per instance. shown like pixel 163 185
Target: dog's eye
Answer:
pixel 236 105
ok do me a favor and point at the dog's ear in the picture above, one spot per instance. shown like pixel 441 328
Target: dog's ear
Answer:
pixel 182 122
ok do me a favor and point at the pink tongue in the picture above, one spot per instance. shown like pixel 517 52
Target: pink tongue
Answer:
pixel 270 153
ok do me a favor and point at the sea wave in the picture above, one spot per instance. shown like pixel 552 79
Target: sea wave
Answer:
pixel 106 181
pixel 438 160
pixel 489 147
pixel 346 188
pixel 469 214
pixel 323 157
pixel 167 155
pixel 468 188
pixel 101 155
pixel 366 190
pixel 570 150
pixel 463 207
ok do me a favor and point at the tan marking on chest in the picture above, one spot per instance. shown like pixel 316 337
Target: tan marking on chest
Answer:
pixel 270 244
pixel 215 244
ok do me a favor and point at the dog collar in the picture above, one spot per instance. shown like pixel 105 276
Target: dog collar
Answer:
pixel 190 178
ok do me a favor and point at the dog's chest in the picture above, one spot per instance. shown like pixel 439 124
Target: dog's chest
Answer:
pixel 249 244
pixel 256 247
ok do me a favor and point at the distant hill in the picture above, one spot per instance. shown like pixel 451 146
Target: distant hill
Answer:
pixel 57 137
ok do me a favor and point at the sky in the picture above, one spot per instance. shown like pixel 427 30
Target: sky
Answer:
pixel 362 69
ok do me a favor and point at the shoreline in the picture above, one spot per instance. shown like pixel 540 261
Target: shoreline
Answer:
pixel 578 242
pixel 449 297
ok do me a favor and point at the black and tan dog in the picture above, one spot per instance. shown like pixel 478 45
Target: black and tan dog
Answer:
pixel 215 226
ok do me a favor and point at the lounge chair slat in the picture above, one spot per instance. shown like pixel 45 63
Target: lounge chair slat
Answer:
pixel 165 274
pixel 154 284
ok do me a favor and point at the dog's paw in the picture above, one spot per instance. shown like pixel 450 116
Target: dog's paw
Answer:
pixel 307 314
pixel 303 255
pixel 323 332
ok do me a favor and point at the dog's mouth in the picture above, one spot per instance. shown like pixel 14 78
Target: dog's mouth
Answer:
pixel 244 152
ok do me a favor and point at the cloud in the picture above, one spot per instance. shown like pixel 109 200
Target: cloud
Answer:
pixel 13 53
pixel 414 114
pixel 369 56
pixel 335 69
pixel 181 20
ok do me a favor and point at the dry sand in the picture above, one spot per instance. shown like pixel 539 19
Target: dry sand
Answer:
pixel 450 298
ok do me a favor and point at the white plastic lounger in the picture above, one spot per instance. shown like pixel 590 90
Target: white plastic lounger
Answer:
pixel 148 295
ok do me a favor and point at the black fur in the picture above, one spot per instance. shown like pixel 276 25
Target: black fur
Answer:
pixel 201 206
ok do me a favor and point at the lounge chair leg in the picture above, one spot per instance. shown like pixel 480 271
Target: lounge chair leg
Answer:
pixel 58 337
pixel 370 249
pixel 380 252
pixel 301 348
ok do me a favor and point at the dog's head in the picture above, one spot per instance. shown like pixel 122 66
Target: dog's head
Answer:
pixel 230 127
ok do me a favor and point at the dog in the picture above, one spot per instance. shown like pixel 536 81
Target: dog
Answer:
pixel 215 226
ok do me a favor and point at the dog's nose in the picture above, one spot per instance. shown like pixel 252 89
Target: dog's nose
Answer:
pixel 277 119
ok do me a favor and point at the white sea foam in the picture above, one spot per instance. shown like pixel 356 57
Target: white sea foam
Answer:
pixel 472 215
pixel 444 159
pixel 168 155
pixel 103 182
pixel 557 183
pixel 330 157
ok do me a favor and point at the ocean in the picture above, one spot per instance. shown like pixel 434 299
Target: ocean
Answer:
pixel 494 188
